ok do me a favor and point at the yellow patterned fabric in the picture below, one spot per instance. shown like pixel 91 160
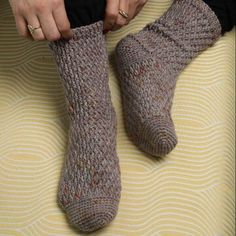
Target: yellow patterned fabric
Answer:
pixel 189 192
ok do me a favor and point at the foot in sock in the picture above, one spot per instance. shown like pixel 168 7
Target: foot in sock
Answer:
pixel 89 189
pixel 149 63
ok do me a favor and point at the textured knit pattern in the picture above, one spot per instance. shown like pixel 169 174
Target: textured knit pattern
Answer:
pixel 89 189
pixel 149 63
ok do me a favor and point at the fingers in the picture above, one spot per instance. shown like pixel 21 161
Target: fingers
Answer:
pixel 49 15
pixel 135 9
pixel 121 20
pixel 21 26
pixel 63 24
pixel 139 8
pixel 111 14
pixel 34 22
pixel 131 7
pixel 113 19
pixel 55 23
pixel 132 12
pixel 49 26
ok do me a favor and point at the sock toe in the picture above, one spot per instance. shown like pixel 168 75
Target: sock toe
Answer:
pixel 157 136
pixel 91 214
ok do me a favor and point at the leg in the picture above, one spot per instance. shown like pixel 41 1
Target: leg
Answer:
pixel 149 63
pixel 84 12
pixel 89 189
pixel 225 12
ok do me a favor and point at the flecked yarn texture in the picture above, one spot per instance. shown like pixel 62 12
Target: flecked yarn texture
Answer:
pixel 89 189
pixel 149 63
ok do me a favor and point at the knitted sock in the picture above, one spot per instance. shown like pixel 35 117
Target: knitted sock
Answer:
pixel 89 189
pixel 149 63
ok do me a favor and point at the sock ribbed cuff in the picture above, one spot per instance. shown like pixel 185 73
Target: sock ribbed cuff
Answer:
pixel 185 5
pixel 81 33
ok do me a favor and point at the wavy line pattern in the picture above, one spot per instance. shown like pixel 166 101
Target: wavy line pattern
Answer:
pixel 190 192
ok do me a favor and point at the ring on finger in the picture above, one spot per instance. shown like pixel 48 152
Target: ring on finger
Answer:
pixel 123 14
pixel 32 29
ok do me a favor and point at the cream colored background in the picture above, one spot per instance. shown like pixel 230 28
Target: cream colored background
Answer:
pixel 190 192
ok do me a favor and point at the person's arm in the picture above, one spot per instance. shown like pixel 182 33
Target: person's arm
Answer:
pixel 114 20
pixel 49 15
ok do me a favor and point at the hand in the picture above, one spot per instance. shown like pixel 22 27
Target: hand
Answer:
pixel 114 20
pixel 49 15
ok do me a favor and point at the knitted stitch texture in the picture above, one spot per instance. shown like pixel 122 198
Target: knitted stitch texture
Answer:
pixel 89 189
pixel 149 63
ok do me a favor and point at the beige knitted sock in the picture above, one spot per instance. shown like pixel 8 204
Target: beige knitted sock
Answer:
pixel 149 63
pixel 89 189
